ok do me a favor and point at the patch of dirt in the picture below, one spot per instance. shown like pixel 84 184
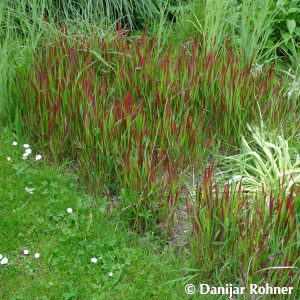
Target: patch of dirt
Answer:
pixel 181 231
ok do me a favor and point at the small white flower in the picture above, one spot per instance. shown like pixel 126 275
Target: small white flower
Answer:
pixel 28 190
pixel 15 143
pixel 24 157
pixel 110 274
pixel 28 151
pixel 94 260
pixel 9 159
pixel 25 252
pixel 4 261
pixel 69 210
pixel 38 157
pixel 26 146
pixel 1 256
pixel 37 255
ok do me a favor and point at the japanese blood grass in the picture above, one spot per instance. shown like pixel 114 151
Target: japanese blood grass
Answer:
pixel 214 86
pixel 267 162
pixel 237 237
pixel 133 118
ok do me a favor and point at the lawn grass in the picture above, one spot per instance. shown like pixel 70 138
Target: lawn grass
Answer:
pixel 39 222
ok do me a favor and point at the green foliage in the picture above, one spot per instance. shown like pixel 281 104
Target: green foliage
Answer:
pixel 133 115
pixel 286 25
pixel 66 242
pixel 130 12
pixel 260 30
pixel 267 164
pixel 244 237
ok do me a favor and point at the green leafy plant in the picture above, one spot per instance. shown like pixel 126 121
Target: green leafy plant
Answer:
pixel 286 25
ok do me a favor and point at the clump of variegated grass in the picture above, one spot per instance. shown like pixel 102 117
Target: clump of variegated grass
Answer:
pixel 267 162
pixel 133 118
pixel 241 237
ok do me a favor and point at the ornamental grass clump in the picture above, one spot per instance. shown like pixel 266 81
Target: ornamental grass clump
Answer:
pixel 238 236
pixel 266 162
pixel 133 115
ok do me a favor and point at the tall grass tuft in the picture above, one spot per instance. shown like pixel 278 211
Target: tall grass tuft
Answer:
pixel 126 12
pixel 244 237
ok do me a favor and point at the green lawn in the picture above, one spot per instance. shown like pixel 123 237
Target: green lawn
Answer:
pixel 40 223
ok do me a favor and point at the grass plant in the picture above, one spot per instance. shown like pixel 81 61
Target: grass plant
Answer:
pixel 252 27
pixel 125 113
pixel 268 163
pixel 147 121
pixel 244 237
pixel 131 13
pixel 35 215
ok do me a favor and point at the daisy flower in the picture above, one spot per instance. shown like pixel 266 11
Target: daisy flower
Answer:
pixel 69 210
pixel 37 255
pixel 26 146
pixel 25 252
pixel 4 261
pixel 15 143
pixel 94 260
pixel 38 157
pixel 9 159
pixel 1 256
pixel 28 151
pixel 110 274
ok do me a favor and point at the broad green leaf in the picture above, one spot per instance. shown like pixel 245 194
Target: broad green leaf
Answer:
pixel 293 10
pixel 291 24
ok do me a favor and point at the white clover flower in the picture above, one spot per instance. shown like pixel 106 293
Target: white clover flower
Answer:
pixel 37 255
pixel 9 159
pixel 38 157
pixel 28 151
pixel 26 146
pixel 110 274
pixel 28 190
pixel 94 260
pixel 4 261
pixel 69 210
pixel 15 143
pixel 1 256
pixel 26 252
